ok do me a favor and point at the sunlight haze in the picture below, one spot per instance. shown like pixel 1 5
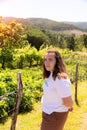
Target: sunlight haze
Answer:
pixel 59 10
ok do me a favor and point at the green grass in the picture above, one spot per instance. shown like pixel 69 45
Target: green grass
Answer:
pixel 75 118
pixel 32 120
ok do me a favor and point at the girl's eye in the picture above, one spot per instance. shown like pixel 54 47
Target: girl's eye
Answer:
pixel 45 59
pixel 50 59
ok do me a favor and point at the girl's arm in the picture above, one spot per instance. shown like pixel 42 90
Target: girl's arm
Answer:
pixel 67 101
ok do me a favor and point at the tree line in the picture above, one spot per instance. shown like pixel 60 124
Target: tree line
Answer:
pixel 20 44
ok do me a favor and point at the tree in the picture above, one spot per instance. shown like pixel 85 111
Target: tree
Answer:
pixel 37 38
pixel 70 42
pixel 85 40
pixel 6 56
pixel 12 36
pixel 30 56
pixel 78 43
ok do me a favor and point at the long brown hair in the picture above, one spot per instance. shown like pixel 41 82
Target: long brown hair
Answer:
pixel 59 68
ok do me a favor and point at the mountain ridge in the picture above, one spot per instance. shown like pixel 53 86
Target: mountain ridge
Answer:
pixel 44 23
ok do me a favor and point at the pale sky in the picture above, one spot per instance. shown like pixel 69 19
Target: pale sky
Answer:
pixel 58 10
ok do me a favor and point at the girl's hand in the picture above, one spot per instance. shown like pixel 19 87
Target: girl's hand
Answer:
pixel 71 109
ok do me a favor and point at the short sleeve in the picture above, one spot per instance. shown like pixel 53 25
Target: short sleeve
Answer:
pixel 64 87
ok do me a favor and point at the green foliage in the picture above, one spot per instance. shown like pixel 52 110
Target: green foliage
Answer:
pixel 32 92
pixel 31 56
pixel 36 38
pixel 3 108
pixel 70 42
pixel 71 59
pixel 7 85
pixel 6 57
pixel 41 33
pixel 28 57
pixel 27 101
pixel 11 35
pixel 84 37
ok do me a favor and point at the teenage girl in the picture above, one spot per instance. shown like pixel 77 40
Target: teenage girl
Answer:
pixel 57 98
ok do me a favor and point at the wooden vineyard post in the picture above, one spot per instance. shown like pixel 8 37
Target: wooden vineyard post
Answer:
pixel 76 85
pixel 18 101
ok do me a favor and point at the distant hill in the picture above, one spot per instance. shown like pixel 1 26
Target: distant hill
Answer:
pixel 81 25
pixel 42 23
pixel 75 32
pixel 47 24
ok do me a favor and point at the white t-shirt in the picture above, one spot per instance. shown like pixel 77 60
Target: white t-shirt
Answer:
pixel 53 92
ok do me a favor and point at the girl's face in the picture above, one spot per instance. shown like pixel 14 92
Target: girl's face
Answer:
pixel 49 61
